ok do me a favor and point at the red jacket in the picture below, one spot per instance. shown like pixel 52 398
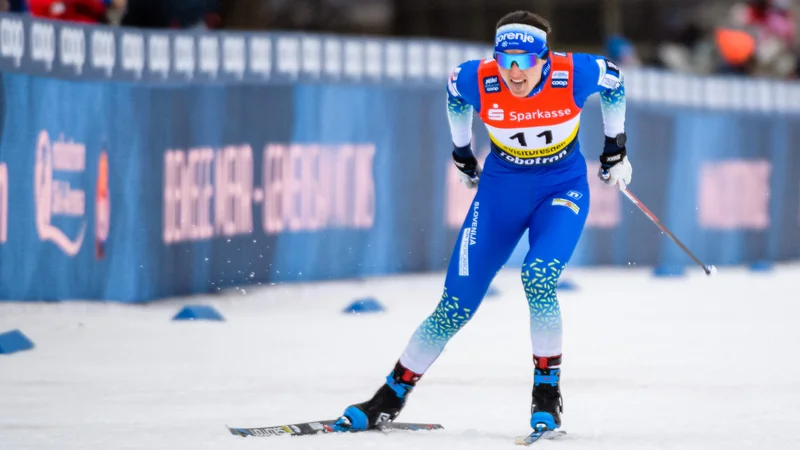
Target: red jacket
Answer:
pixel 85 11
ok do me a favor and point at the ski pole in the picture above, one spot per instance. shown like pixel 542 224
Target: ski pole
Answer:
pixel 708 269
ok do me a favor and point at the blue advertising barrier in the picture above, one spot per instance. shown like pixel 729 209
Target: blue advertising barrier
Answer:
pixel 137 165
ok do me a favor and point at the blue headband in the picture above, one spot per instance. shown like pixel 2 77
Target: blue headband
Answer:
pixel 515 36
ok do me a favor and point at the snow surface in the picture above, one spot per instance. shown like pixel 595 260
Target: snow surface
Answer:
pixel 649 363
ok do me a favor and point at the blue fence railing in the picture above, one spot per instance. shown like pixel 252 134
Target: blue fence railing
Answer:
pixel 136 165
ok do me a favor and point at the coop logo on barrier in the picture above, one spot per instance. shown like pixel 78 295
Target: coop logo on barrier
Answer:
pixel 133 54
pixel 395 61
pixel 333 58
pixel 3 203
pixel 260 57
pixel 435 64
pixel 72 48
pixel 43 44
pixel 209 56
pixel 354 55
pixel 288 61
pixel 56 197
pixel 234 57
pixel 312 56
pixel 288 56
pixel 184 56
pixel 104 51
pixel 416 60
pixel 40 47
pixel 373 53
pixel 158 55
pixel 12 40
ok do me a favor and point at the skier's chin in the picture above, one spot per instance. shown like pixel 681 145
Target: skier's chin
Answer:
pixel 519 89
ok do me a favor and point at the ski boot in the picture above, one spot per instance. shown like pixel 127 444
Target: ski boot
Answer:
pixel 546 404
pixel 384 406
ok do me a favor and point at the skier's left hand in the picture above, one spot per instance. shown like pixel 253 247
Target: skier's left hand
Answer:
pixel 614 165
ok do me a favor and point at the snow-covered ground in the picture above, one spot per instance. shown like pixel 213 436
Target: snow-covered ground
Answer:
pixel 649 363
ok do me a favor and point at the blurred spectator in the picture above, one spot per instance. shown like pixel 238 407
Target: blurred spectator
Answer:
pixel 17 5
pixel 173 14
pixel 687 49
pixel 769 19
pixel 772 28
pixel 4 5
pixel 736 49
pixel 622 51
pixel 756 38
pixel 84 11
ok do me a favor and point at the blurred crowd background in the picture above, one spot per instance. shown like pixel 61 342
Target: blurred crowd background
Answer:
pixel 742 37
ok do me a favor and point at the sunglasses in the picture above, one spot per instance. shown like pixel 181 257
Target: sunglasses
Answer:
pixel 523 60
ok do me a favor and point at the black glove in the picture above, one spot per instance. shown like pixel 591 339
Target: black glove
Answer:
pixel 469 168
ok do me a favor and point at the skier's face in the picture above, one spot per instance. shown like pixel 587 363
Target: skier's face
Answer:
pixel 521 82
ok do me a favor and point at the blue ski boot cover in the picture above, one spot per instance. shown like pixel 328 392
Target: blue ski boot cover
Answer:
pixel 384 406
pixel 546 405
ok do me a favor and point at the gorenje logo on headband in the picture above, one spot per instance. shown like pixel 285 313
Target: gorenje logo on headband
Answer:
pixel 517 36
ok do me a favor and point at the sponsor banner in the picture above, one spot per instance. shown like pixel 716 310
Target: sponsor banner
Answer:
pixel 189 162
pixel 87 52
pixel 129 192
pixel 101 53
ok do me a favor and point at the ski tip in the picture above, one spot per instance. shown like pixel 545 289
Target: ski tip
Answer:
pixel 236 431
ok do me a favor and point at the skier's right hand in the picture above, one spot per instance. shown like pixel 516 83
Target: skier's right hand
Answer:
pixel 469 169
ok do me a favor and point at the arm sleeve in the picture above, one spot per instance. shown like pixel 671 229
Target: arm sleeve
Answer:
pixel 463 98
pixel 594 73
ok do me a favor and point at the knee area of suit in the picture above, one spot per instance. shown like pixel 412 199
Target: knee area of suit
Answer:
pixel 541 274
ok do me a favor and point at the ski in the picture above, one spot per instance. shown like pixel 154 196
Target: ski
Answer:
pixel 325 427
pixel 537 435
